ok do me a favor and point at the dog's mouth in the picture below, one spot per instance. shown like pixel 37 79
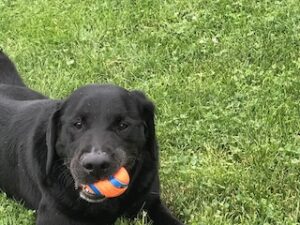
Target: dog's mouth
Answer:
pixel 86 194
pixel 86 184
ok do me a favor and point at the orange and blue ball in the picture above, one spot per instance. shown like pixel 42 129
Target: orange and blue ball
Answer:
pixel 112 187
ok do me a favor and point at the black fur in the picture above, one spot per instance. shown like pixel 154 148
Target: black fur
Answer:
pixel 43 146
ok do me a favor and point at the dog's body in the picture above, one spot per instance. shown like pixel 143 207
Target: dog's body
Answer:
pixel 46 154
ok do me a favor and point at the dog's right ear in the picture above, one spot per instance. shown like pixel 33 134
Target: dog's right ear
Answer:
pixel 147 109
pixel 51 137
pixel 8 71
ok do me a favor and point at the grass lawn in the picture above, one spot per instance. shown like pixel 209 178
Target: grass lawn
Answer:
pixel 223 74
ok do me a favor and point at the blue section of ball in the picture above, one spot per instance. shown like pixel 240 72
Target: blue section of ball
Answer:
pixel 95 190
pixel 116 182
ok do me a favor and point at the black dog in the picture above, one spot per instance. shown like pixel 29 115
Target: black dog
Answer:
pixel 50 148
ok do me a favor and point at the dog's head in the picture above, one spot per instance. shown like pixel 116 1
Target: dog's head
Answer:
pixel 99 129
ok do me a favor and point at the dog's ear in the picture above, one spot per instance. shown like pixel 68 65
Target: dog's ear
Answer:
pixel 8 71
pixel 51 137
pixel 147 110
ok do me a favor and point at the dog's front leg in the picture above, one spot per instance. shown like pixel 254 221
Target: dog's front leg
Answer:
pixel 160 214
pixel 48 215
pixel 157 211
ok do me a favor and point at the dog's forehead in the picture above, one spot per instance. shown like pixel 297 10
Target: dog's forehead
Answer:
pixel 101 98
pixel 91 90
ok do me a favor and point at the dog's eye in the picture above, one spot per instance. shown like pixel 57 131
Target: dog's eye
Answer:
pixel 78 124
pixel 122 125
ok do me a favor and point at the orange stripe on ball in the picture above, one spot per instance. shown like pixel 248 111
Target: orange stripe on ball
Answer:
pixel 122 176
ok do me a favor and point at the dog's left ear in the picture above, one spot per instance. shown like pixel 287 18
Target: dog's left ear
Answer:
pixel 51 137
pixel 147 109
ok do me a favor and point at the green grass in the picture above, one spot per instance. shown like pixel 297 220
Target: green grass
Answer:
pixel 225 77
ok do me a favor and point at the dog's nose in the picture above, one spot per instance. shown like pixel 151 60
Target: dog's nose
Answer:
pixel 96 163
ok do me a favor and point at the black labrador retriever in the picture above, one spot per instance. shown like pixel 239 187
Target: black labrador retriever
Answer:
pixel 50 148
